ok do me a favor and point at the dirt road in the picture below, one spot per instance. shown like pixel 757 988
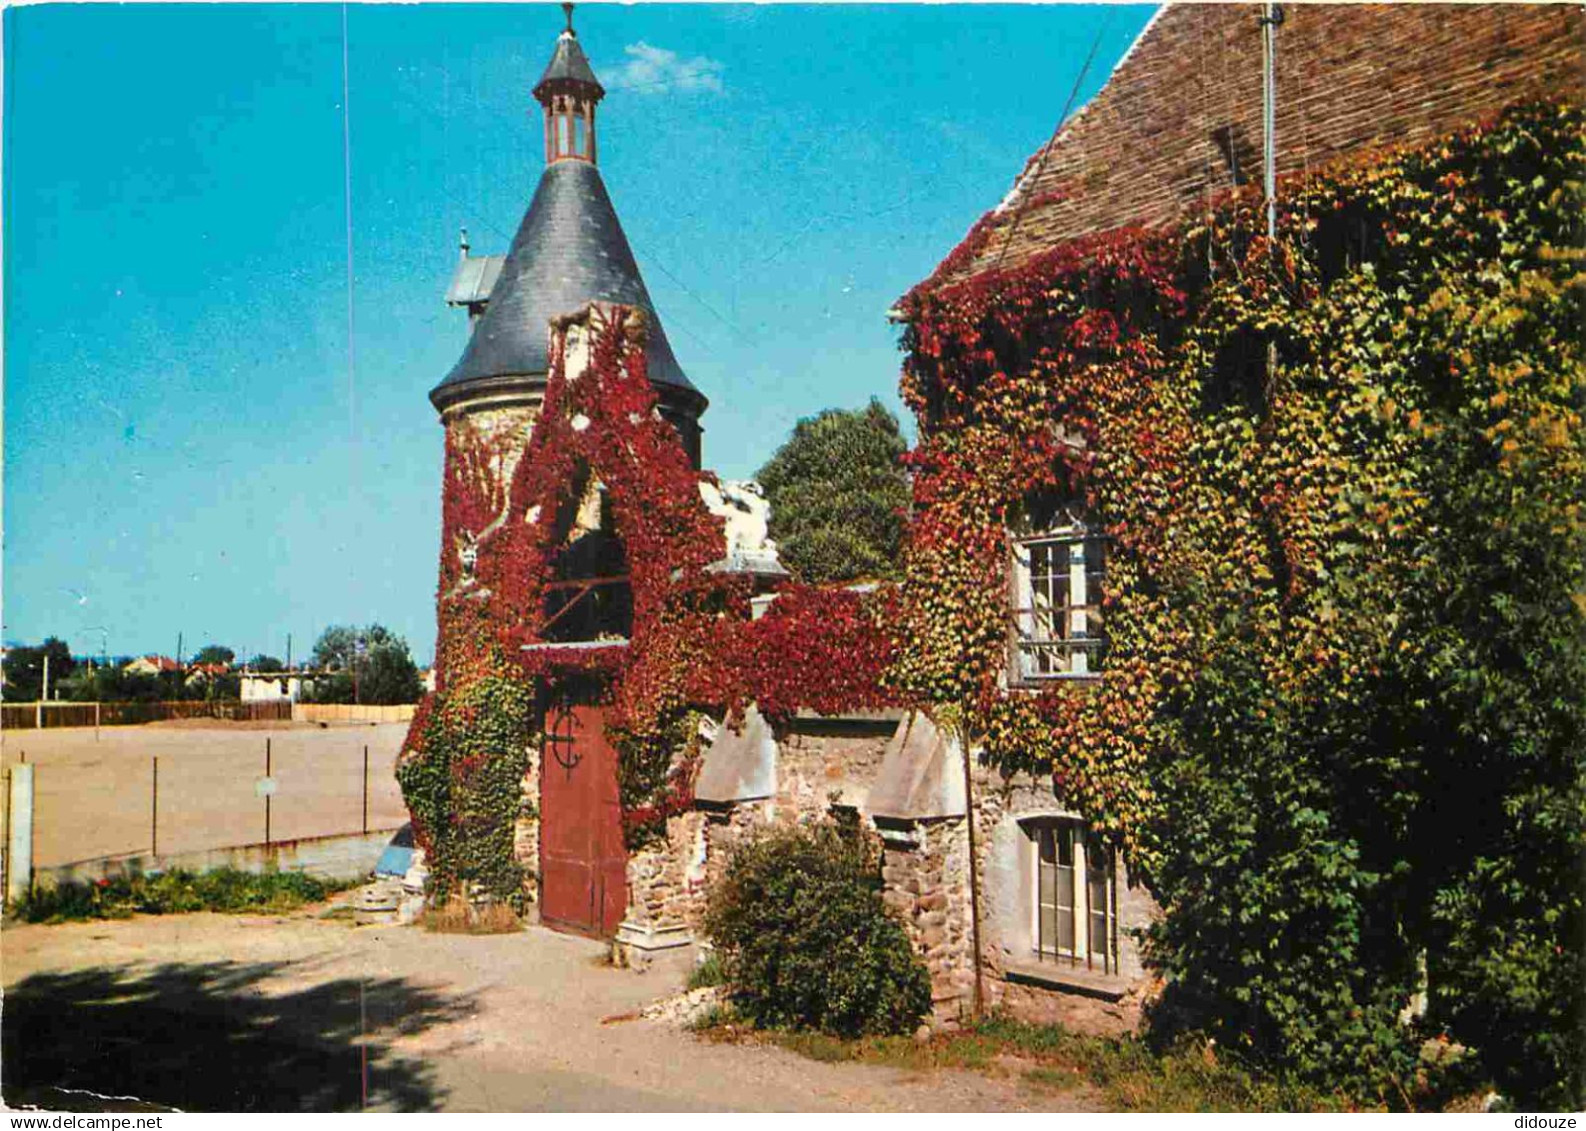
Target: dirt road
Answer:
pixel 210 1012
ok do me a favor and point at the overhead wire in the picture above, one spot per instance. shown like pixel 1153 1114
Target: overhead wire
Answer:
pixel 1062 120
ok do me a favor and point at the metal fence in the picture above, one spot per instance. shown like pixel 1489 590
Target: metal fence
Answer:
pixel 164 792
pixel 36 716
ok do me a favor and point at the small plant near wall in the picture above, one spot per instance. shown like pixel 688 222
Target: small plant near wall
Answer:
pixel 805 942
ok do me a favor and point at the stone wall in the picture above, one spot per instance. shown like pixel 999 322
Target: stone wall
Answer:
pixel 925 868
pixel 1017 979
pixel 666 880
pixel 526 829
pixel 725 830
pixel 822 763
pixel 819 763
pixel 928 886
pixel 509 425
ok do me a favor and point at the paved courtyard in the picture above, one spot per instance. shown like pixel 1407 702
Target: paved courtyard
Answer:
pixel 212 1012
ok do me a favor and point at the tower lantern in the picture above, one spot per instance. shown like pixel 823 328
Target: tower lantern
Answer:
pixel 569 92
pixel 569 251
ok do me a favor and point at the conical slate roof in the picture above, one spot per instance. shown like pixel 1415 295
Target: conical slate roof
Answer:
pixel 569 250
pixel 569 64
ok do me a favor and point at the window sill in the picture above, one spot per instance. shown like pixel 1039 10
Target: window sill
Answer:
pixel 1069 979
pixel 1047 681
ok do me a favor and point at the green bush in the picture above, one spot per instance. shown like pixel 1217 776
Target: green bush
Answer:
pixel 167 893
pixel 806 942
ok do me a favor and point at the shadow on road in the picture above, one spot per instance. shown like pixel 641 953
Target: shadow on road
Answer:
pixel 216 1037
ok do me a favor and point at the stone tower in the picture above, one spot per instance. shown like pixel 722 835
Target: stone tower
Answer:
pixel 569 250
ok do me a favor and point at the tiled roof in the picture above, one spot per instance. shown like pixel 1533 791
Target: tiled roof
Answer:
pixel 1184 105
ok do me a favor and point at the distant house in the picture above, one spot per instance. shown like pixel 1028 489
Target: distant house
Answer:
pixel 152 665
pixel 200 674
pixel 275 685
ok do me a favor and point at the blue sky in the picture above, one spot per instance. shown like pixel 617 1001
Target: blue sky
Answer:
pixel 191 447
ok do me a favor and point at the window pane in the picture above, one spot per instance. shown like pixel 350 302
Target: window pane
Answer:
pixel 1098 917
pixel 1065 890
pixel 1098 884
pixel 1058 626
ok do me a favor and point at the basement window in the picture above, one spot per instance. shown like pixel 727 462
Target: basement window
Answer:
pixel 1057 630
pixel 1074 901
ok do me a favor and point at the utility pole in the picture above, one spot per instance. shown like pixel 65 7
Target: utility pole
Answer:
pixel 45 693
pixel 1271 19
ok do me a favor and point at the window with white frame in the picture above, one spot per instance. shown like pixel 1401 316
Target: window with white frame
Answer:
pixel 1075 898
pixel 1057 593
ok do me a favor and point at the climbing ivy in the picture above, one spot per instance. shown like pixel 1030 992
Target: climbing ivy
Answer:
pixel 1341 475
pixel 464 791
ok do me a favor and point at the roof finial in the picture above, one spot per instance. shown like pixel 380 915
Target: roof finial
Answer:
pixel 568 8
pixel 462 242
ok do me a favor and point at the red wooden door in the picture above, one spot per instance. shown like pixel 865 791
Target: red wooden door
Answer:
pixel 583 862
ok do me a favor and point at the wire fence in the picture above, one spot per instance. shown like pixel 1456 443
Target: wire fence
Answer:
pixel 37 716
pixel 165 792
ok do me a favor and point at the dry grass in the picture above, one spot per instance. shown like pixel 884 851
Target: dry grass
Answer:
pixel 1126 1074
pixel 459 917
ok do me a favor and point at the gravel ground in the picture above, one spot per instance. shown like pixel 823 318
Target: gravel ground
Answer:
pixel 213 1012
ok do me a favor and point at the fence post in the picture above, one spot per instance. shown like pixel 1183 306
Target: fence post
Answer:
pixel 38 715
pixel 154 812
pixel 5 830
pixel 96 720
pixel 19 854
pixel 267 795
pixel 366 789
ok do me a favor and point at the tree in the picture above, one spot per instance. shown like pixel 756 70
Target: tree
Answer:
pixel 24 669
pixel 371 665
pixel 838 495
pixel 214 654
pixel 113 684
pixel 264 662
pixel 334 649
